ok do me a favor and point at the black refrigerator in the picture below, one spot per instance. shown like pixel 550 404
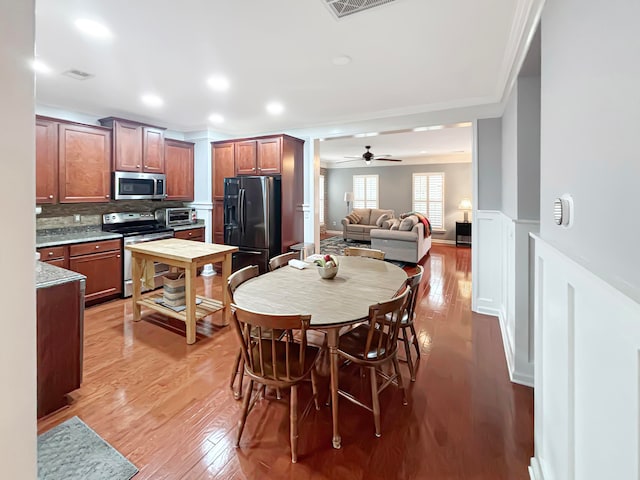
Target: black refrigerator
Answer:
pixel 252 219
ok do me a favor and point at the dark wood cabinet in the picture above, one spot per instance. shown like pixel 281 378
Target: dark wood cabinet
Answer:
pixel 277 155
pixel 224 165
pixel 178 160
pixel 136 147
pixel 59 344
pixel 84 163
pixel 58 256
pixel 46 161
pixel 101 263
pixel 196 234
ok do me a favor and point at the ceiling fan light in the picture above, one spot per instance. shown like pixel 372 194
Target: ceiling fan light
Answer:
pixel 368 162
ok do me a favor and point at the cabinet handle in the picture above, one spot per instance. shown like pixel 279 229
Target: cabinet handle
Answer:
pixel 190 233
pixel 107 196
pixel 137 166
pixel 118 256
pixel 97 247
pixel 51 254
pixel 50 196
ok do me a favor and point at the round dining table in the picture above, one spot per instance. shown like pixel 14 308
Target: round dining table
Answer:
pixel 332 304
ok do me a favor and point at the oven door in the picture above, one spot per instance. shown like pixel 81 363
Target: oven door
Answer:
pixel 160 268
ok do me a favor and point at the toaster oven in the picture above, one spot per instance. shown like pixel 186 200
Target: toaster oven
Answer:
pixel 172 217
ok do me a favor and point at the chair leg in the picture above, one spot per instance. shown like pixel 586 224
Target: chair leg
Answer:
pixel 238 393
pixel 293 418
pixel 314 388
pixel 407 350
pixel 415 339
pixel 245 411
pixel 396 366
pixel 236 370
pixel 374 400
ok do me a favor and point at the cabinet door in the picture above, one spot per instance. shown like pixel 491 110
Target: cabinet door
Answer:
pixel 246 158
pixel 153 150
pixel 269 156
pixel 223 167
pixel 196 234
pixel 103 272
pixel 218 222
pixel 127 141
pixel 46 161
pixel 178 161
pixel 84 168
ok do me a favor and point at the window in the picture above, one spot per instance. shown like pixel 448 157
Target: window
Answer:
pixel 321 199
pixel 365 191
pixel 428 197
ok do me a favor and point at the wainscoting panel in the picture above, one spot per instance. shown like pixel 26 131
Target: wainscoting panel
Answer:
pixel 487 262
pixel 587 376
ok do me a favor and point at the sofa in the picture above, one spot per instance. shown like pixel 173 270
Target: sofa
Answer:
pixel 361 230
pixel 403 246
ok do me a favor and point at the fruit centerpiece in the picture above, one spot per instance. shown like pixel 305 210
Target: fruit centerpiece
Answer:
pixel 327 266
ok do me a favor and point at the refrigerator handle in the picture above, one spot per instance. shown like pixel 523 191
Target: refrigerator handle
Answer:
pixel 241 209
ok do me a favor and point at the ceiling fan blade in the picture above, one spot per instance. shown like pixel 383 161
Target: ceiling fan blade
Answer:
pixel 352 156
pixel 383 155
pixel 356 159
pixel 389 159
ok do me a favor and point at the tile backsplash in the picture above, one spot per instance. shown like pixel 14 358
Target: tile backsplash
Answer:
pixel 62 215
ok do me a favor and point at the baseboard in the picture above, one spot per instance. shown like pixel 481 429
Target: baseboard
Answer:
pixel 535 472
pixel 444 242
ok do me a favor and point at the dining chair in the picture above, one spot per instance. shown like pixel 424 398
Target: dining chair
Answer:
pixel 282 260
pixel 406 323
pixel 373 345
pixel 363 252
pixel 273 362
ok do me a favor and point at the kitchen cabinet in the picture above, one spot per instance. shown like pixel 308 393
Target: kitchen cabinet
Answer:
pixel 136 147
pixel 58 256
pixel 46 161
pixel 196 234
pixel 178 159
pixel 84 163
pixel 60 313
pixel 223 158
pixel 101 263
pixel 276 155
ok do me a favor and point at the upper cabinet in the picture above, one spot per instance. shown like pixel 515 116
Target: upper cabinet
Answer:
pixel 136 147
pixel 84 163
pixel 246 158
pixel 259 157
pixel 178 159
pixel 46 161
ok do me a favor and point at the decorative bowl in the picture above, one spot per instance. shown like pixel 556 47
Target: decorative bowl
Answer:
pixel 327 273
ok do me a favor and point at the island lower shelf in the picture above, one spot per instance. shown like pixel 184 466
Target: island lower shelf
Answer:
pixel 203 309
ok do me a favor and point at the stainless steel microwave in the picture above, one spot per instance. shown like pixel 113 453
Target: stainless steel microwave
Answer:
pixel 139 186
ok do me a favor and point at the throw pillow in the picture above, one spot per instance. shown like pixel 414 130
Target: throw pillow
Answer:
pixel 387 223
pixel 408 223
pixel 382 218
pixel 396 224
pixel 354 217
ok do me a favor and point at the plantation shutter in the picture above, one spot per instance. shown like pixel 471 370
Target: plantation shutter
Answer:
pixel 428 197
pixel 365 191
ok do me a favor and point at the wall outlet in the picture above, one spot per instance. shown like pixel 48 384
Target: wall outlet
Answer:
pixel 76 218
pixel 334 223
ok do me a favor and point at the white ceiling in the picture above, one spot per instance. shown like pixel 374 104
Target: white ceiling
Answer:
pixel 451 144
pixel 409 56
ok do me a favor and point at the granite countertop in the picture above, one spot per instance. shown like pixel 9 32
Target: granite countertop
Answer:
pixel 198 224
pixel 49 275
pixel 66 237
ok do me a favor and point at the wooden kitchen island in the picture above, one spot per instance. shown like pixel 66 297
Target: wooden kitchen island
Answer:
pixel 188 255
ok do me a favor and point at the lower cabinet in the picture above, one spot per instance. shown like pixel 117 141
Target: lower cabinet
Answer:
pixel 196 234
pixel 101 263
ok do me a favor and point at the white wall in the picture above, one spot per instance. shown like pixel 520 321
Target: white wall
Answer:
pixel 17 284
pixel 489 160
pixel 510 156
pixel 587 396
pixel 529 148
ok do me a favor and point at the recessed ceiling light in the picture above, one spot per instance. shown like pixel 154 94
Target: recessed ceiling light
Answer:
pixel 152 100
pixel 370 134
pixel 218 83
pixel 92 28
pixel 421 129
pixel 423 151
pixel 275 108
pixel 40 67
pixel 426 129
pixel 216 118
pixel 341 60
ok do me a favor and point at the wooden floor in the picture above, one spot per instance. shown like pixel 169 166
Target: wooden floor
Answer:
pixel 166 405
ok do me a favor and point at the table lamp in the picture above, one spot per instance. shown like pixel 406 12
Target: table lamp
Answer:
pixel 465 205
pixel 348 197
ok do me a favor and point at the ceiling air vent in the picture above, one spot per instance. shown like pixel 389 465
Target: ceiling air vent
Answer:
pixel 342 8
pixel 77 74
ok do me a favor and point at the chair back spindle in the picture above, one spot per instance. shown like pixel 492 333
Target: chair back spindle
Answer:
pixel 384 325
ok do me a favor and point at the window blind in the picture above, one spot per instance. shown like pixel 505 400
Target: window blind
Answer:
pixel 428 197
pixel 365 191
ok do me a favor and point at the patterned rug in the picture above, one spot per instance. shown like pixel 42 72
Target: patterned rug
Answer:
pixel 336 245
pixel 72 451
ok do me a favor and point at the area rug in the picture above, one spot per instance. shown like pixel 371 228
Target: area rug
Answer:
pixel 336 245
pixel 72 451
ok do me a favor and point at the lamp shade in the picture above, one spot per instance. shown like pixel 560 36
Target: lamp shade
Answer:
pixel 348 196
pixel 465 204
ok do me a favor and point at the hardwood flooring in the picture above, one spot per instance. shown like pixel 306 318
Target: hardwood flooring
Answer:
pixel 167 407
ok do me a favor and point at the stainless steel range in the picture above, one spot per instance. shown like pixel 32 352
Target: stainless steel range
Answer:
pixel 137 227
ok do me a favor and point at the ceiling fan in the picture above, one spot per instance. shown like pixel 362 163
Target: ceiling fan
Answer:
pixel 368 157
